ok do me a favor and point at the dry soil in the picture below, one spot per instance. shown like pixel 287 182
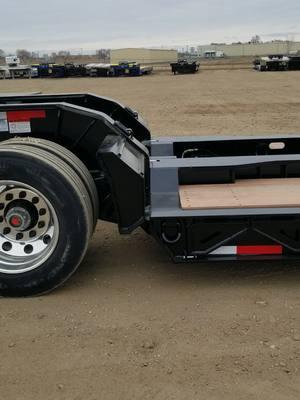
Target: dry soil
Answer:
pixel 132 325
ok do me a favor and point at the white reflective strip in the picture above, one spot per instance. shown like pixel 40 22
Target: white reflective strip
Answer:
pixel 3 122
pixel 223 250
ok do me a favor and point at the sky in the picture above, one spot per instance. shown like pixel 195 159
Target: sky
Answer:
pixel 80 25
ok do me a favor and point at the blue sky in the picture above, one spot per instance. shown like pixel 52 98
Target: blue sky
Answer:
pixel 94 24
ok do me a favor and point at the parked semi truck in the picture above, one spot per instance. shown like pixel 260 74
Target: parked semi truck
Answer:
pixel 69 160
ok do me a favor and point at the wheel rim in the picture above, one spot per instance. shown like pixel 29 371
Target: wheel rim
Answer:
pixel 29 228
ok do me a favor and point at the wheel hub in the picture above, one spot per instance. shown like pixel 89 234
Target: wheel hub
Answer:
pixel 18 218
pixel 28 228
pixel 25 216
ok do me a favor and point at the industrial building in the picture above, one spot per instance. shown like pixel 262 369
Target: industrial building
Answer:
pixel 252 49
pixel 143 56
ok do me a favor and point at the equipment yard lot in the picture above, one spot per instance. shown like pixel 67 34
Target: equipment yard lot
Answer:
pixel 131 324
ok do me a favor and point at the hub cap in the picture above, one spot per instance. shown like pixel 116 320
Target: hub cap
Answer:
pixel 28 228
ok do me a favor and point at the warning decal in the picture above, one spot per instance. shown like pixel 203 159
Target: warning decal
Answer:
pixel 20 127
pixel 19 121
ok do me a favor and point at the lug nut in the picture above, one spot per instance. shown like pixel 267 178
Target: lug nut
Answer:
pixel 6 246
pixel 19 236
pixel 46 239
pixel 32 234
pixel 6 231
pixel 1 206
pixel 9 196
pixel 28 249
pixel 35 200
pixel 42 211
pixel 22 194
pixel 41 224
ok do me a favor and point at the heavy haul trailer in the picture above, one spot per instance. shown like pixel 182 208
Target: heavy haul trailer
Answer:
pixel 185 67
pixel 68 160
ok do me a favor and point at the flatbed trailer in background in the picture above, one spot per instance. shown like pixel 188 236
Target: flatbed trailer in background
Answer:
pixel 14 69
pixel 126 68
pixel 68 160
pixel 277 63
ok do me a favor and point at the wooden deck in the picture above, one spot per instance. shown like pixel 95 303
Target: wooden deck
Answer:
pixel 248 193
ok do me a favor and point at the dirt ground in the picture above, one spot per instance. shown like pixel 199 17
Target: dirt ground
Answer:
pixel 132 325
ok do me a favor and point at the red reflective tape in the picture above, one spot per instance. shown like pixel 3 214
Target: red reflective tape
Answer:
pixel 23 116
pixel 259 250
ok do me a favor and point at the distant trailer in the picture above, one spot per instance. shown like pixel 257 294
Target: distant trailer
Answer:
pixel 294 63
pixel 4 73
pixel 68 70
pixel 97 69
pixel 185 67
pixel 58 71
pixel 20 71
pixel 13 69
pixel 124 68
pixel 277 63
pixel 146 70
pixel 272 63
pixel 43 70
pixel 75 70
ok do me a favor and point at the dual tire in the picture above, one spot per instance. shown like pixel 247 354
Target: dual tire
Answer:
pixel 52 193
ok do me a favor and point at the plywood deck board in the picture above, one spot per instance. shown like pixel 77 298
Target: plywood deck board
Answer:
pixel 283 192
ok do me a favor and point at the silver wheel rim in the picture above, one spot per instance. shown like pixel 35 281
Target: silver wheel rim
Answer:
pixel 29 228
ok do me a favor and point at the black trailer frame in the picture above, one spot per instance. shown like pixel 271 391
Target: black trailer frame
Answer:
pixel 138 177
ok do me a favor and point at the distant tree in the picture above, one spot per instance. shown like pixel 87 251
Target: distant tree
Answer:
pixel 255 39
pixel 63 53
pixel 2 53
pixel 45 57
pixel 103 54
pixel 62 56
pixel 35 54
pixel 53 56
pixel 23 54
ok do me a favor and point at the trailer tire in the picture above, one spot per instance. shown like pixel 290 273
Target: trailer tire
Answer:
pixel 33 178
pixel 70 158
